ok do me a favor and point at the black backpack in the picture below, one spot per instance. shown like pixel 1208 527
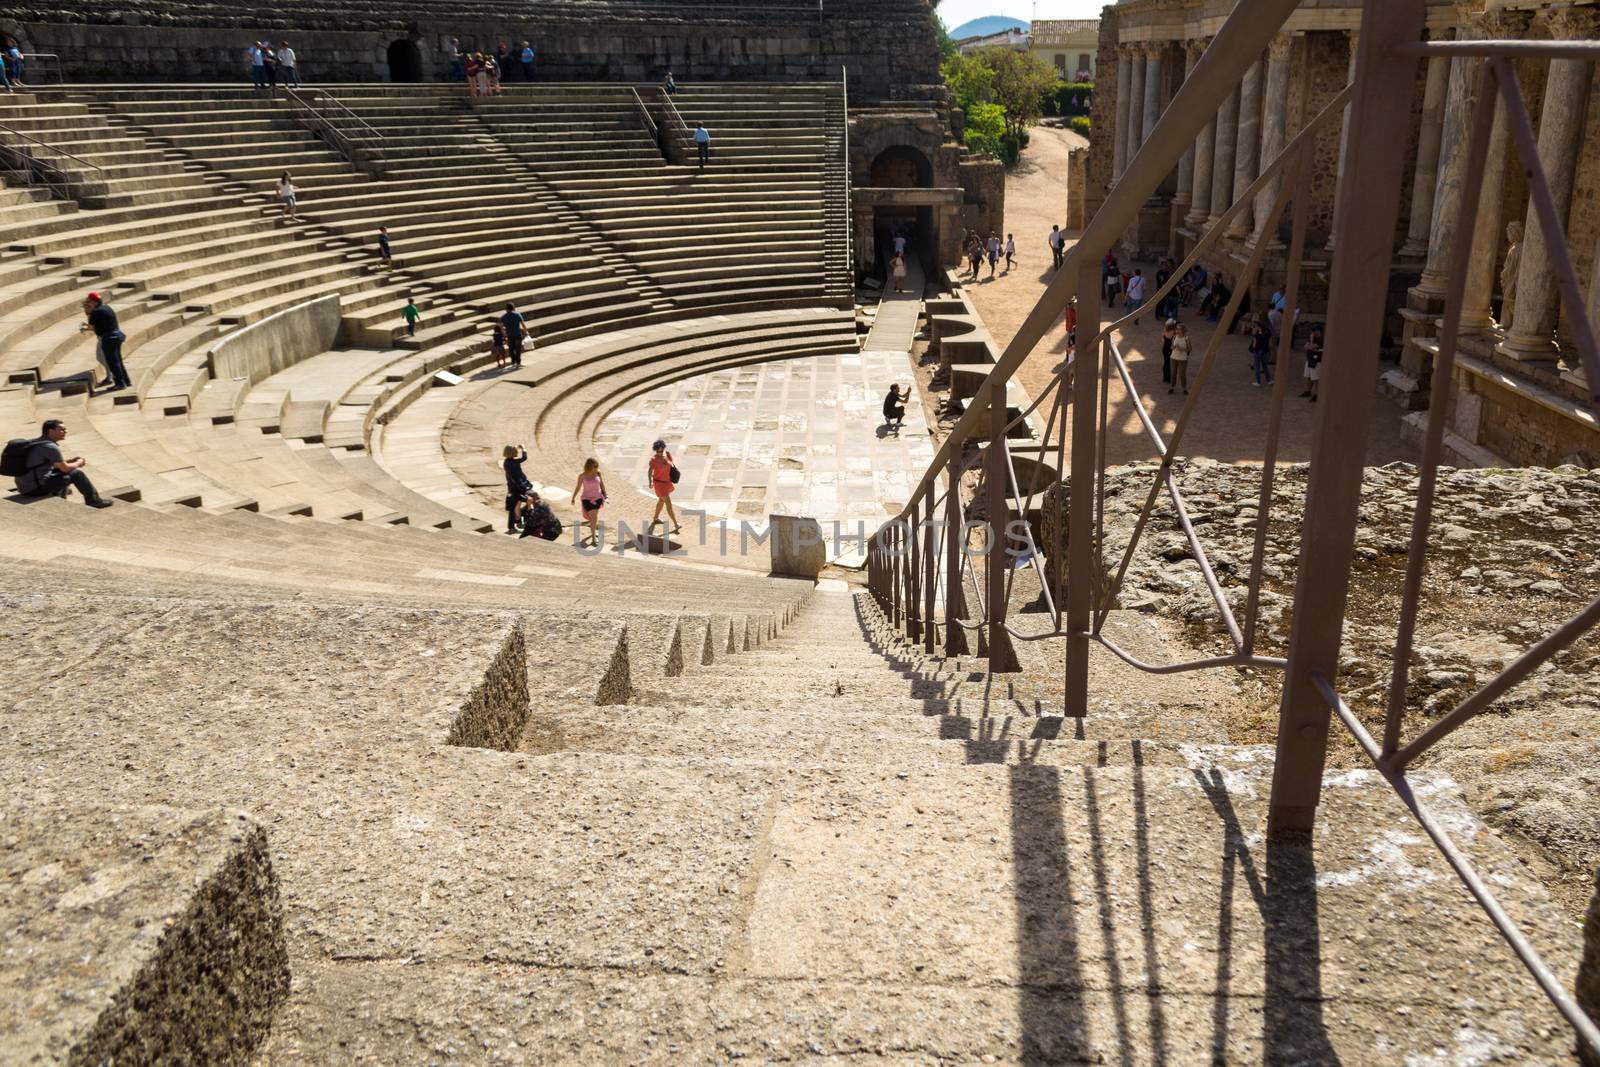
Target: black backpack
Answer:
pixel 14 460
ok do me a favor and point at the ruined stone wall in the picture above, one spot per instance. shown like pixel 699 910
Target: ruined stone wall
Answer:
pixel 1583 221
pixel 1102 116
pixel 887 45
pixel 983 185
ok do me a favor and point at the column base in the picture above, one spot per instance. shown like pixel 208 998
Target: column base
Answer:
pixel 1195 220
pixel 1525 349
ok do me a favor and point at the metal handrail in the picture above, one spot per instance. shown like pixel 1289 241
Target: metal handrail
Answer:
pixel 849 223
pixel 643 113
pixel 31 168
pixel 27 57
pixel 1388 37
pixel 371 140
pixel 680 129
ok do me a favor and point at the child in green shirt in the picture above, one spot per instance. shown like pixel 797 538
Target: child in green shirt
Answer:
pixel 411 315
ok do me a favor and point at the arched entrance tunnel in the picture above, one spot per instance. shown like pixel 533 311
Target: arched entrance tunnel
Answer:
pixel 903 167
pixel 405 61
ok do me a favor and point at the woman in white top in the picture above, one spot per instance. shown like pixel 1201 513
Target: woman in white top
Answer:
pixel 899 268
pixel 286 195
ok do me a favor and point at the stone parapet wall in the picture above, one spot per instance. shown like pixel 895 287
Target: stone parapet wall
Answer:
pixel 886 46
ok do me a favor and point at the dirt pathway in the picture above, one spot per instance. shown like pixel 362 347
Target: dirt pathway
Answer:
pixel 1231 419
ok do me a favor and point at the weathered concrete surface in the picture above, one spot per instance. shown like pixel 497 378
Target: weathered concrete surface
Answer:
pixel 696 903
pixel 281 340
pixel 136 935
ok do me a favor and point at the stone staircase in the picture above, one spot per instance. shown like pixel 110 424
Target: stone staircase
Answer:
pixel 837 257
pixel 536 831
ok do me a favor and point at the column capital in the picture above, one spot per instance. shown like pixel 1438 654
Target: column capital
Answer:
pixel 1153 49
pixel 1570 23
pixel 1279 47
pixel 1502 24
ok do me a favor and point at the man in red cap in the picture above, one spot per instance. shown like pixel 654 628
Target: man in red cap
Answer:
pixel 103 321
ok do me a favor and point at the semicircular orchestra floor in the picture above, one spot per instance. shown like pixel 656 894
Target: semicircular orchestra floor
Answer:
pixel 797 437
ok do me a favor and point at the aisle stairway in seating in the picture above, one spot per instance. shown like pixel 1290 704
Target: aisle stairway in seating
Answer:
pixel 730 818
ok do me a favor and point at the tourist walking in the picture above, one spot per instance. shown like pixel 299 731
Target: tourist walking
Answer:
pixel 258 65
pixel 975 253
pixel 1135 292
pixel 1111 278
pixel 897 267
pixel 42 471
pixel 668 85
pixel 517 485
pixel 899 244
pixel 286 195
pixel 384 252
pixel 1313 364
pixel 525 57
pixel 894 407
pixel 411 315
pixel 992 246
pixel 1058 244
pixel 1180 359
pixel 496 69
pixel 5 75
pixel 452 60
pixel 515 327
pixel 497 345
pixel 1260 351
pixel 1168 332
pixel 663 480
pixel 1011 252
pixel 702 143
pixel 287 64
pixel 591 489
pixel 13 60
pixel 109 337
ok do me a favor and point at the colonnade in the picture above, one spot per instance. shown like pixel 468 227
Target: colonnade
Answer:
pixel 1251 128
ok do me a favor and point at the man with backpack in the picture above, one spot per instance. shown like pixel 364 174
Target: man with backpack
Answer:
pixel 40 469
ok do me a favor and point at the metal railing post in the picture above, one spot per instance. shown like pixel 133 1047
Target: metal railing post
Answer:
pixel 914 576
pixel 895 551
pixel 1365 238
pixel 1002 657
pixel 930 553
pixel 1085 459
pixel 955 638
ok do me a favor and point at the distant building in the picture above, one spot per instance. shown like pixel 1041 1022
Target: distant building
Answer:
pixel 1069 45
pixel 1016 40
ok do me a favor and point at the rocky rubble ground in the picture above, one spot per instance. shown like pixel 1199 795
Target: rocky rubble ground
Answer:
pixel 1513 555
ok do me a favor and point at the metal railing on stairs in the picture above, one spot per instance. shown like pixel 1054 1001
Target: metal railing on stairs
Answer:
pixel 353 136
pixel 28 160
pixel 678 139
pixel 941 547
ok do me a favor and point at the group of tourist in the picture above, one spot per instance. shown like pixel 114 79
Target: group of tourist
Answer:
pixel 483 71
pixel 528 515
pixel 11 65
pixel 271 67
pixel 991 249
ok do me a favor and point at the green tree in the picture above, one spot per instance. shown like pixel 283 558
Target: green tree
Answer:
pixel 969 78
pixel 947 47
pixel 1021 83
pixel 986 129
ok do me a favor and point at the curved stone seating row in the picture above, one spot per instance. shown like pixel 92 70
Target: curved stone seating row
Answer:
pixel 555 403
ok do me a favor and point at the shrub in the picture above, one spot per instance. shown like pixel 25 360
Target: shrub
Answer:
pixel 986 126
pixel 1073 98
pixel 1079 124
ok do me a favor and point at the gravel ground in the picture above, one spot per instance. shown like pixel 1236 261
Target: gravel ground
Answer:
pixel 1512 556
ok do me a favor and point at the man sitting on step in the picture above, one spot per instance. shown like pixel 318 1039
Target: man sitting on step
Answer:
pixel 46 473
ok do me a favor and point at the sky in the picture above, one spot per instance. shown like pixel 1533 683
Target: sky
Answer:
pixel 955 12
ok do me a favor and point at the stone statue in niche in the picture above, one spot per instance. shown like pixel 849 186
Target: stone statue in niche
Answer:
pixel 1508 273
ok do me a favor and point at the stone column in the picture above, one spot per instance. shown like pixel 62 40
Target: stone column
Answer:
pixel 1274 127
pixel 1136 104
pixel 1429 137
pixel 1476 310
pixel 1247 146
pixel 1344 136
pixel 1185 196
pixel 1201 204
pixel 1122 136
pixel 1222 157
pixel 1566 103
pixel 1152 89
pixel 1460 96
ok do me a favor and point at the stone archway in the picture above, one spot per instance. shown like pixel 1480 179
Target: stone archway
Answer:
pixel 901 167
pixel 405 61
